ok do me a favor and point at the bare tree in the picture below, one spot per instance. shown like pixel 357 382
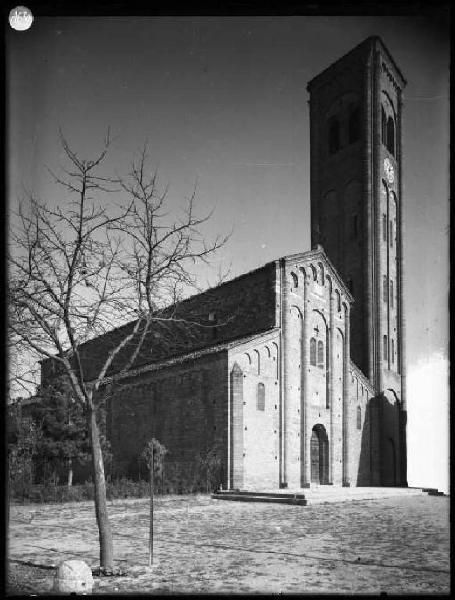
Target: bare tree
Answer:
pixel 156 263
pixel 23 369
pixel 86 263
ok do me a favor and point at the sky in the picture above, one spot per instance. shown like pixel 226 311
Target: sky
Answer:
pixel 222 102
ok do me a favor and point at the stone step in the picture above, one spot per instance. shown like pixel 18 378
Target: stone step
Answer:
pixel 356 493
pixel 245 497
pixel 321 494
pixel 258 493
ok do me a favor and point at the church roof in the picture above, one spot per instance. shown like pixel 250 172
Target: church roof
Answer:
pixel 176 360
pixel 233 310
pixel 227 314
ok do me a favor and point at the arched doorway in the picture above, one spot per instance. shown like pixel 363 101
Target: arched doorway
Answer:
pixel 319 451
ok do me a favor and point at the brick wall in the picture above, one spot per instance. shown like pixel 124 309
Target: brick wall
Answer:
pixel 183 406
pixel 313 393
pixel 364 458
pixel 376 448
pixel 236 437
pixel 255 436
pixel 347 202
pixel 339 184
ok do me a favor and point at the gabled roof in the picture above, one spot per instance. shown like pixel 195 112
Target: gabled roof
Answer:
pixel 176 360
pixel 237 308
pixel 318 254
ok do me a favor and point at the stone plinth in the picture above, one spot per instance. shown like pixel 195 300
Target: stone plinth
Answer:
pixel 73 576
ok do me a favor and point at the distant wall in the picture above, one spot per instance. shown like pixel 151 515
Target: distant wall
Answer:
pixel 364 450
pixel 255 403
pixel 184 407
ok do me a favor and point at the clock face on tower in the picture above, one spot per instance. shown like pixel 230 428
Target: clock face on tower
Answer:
pixel 388 170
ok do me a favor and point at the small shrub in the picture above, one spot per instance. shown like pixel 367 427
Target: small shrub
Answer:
pixel 89 491
pixel 20 490
pixel 126 488
pixel 76 493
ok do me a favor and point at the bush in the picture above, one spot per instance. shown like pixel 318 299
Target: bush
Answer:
pixel 50 494
pixel 20 490
pixel 126 488
pixel 178 479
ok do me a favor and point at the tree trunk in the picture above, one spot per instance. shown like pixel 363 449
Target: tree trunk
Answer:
pixel 70 473
pixel 102 519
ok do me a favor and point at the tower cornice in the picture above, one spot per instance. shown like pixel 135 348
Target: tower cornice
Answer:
pixel 362 50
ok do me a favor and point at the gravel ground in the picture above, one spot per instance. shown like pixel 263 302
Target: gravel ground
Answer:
pixel 395 545
pixel 23 579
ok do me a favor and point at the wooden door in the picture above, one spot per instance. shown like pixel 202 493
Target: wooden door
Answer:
pixel 315 454
pixel 323 458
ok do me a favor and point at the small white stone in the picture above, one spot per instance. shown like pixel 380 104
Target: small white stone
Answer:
pixel 73 576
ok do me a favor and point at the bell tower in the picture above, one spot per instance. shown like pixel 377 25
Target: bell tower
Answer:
pixel 356 200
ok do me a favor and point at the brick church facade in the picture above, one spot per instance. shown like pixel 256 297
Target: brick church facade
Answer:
pixel 298 377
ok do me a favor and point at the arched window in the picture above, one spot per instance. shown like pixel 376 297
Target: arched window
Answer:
pixel 359 417
pixel 384 227
pixel 320 354
pixel 321 273
pixel 295 280
pixel 393 351
pixel 391 135
pixel 334 135
pixel 385 348
pixel 315 273
pixel 354 126
pixel 338 298
pixel 391 234
pixel 391 293
pixel 384 288
pixel 383 127
pixel 258 362
pixel 260 400
pixel 313 352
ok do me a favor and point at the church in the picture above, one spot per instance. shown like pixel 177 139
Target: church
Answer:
pixel 298 378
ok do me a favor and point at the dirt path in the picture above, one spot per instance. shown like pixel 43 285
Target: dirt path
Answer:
pixel 396 545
